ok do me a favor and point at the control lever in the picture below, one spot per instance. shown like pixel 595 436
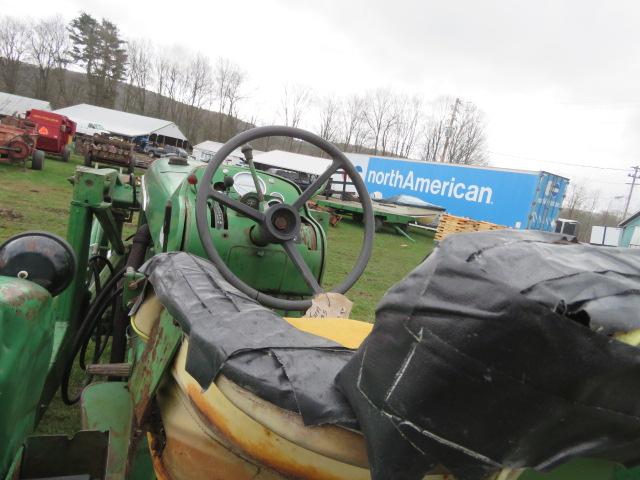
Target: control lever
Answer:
pixel 228 182
pixel 247 151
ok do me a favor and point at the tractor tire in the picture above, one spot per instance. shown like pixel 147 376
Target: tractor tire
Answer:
pixel 378 223
pixel 87 159
pixel 66 153
pixel 37 160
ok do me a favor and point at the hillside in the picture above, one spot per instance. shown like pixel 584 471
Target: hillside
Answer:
pixel 67 88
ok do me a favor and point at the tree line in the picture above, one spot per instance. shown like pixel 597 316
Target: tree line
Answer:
pixel 184 87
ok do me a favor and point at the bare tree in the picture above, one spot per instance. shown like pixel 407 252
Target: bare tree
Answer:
pixel 467 137
pixel 379 116
pixel 352 120
pixel 160 75
pixel 390 125
pixel 48 49
pixel 408 123
pixel 198 92
pixel 228 81
pixel 174 85
pixel 575 198
pixel 435 130
pixel 140 76
pixel 294 104
pixel 14 43
pixel 329 111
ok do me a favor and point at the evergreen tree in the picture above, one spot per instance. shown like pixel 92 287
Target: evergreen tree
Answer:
pixel 113 60
pixel 100 51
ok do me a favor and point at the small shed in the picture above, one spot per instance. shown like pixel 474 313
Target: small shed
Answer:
pixel 15 104
pixel 630 231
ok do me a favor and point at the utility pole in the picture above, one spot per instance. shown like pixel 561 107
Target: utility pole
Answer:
pixel 634 176
pixel 447 132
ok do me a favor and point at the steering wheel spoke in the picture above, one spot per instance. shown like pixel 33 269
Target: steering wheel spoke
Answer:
pixel 227 201
pixel 315 186
pixel 294 254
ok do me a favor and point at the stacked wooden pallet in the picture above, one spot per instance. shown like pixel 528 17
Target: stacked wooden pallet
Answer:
pixel 452 224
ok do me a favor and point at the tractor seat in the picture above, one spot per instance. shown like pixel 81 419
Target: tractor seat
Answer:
pixel 250 390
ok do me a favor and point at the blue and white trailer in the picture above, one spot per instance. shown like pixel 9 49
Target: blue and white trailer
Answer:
pixel 514 198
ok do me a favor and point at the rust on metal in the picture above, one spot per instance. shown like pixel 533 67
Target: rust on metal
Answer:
pixel 156 359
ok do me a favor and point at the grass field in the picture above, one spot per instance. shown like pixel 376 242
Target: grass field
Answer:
pixel 31 200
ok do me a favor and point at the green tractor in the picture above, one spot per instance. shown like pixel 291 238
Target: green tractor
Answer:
pixel 223 348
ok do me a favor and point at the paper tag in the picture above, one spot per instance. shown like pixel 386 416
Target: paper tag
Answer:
pixel 329 305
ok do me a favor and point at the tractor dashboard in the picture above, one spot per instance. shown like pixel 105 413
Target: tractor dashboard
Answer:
pixel 169 198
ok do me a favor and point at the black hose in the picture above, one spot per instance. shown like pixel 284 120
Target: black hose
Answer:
pixel 106 261
pixel 99 346
pixel 95 271
pixel 97 309
pixel 64 388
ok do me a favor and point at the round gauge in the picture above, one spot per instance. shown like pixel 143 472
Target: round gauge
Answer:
pixel 274 201
pixel 243 183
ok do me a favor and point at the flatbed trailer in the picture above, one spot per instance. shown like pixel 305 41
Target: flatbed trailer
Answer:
pixel 397 216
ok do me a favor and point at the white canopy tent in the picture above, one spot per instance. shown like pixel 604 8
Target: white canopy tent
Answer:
pixel 127 124
pixel 15 104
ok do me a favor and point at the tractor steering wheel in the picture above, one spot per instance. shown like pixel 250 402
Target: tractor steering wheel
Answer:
pixel 280 223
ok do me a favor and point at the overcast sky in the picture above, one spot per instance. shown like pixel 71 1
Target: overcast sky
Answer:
pixel 558 81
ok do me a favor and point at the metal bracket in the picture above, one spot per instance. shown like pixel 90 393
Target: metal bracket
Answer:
pixel 156 359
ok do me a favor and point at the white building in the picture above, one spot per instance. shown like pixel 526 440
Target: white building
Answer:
pixel 130 125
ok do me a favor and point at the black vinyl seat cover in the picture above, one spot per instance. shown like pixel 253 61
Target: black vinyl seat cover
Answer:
pixel 494 352
pixel 255 348
pixel 497 351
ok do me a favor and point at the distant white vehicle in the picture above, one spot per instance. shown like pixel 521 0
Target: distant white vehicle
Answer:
pixel 91 128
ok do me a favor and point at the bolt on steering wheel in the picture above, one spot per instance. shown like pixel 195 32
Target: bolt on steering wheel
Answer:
pixel 280 223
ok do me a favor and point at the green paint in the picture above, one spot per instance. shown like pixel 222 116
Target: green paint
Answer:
pixel 26 333
pixel 265 268
pixel 340 207
pixel 92 189
pixel 322 218
pixel 133 286
pixel 108 407
pixel 581 469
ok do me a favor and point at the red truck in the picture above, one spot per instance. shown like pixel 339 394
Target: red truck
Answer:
pixel 55 132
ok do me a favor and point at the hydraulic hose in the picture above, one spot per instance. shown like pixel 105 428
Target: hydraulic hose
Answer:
pixel 141 242
pixel 97 309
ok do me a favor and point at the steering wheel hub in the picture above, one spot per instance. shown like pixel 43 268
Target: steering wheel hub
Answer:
pixel 282 223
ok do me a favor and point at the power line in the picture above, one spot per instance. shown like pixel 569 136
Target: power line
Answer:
pixel 555 161
pixel 597 103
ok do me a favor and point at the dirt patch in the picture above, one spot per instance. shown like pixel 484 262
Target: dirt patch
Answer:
pixel 10 214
